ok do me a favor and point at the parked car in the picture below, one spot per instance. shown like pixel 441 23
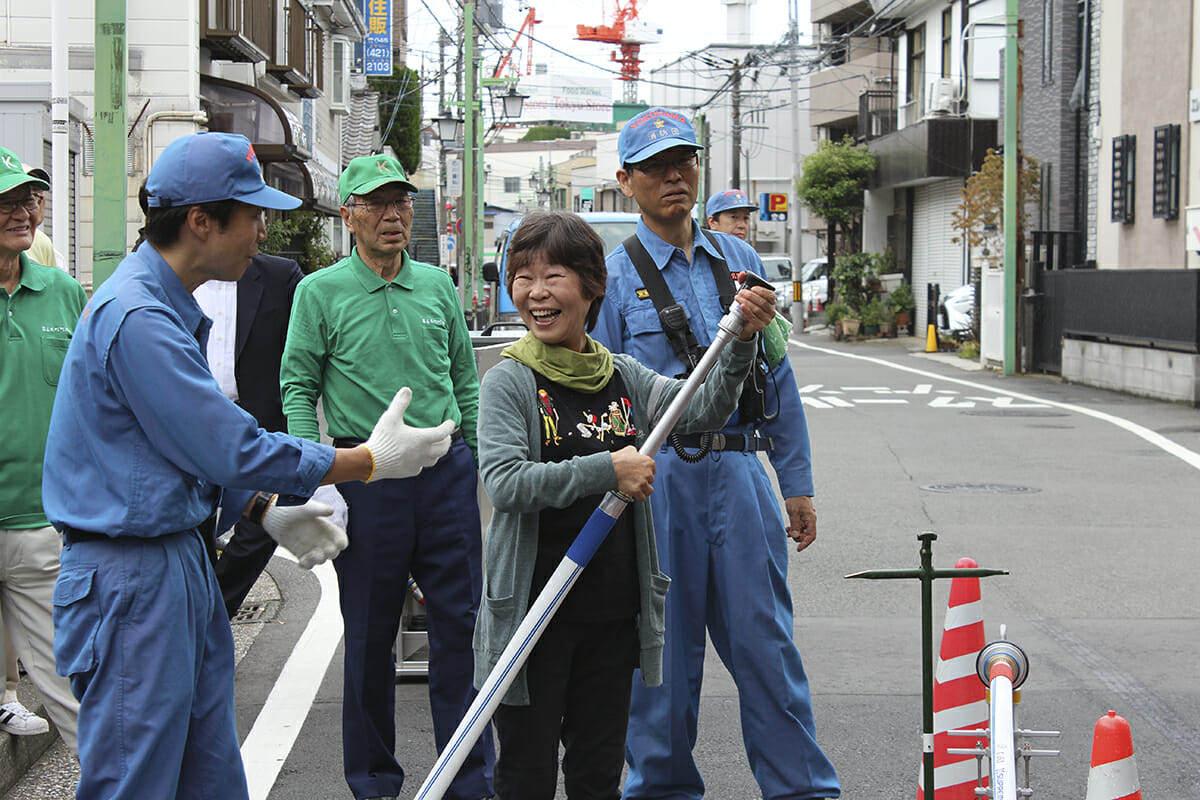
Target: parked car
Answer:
pixel 814 280
pixel 778 271
pixel 956 310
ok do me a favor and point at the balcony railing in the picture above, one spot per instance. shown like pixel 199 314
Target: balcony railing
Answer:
pixel 239 30
pixel 876 114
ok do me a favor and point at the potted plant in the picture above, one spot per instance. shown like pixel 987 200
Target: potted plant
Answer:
pixel 834 314
pixel 872 317
pixel 900 301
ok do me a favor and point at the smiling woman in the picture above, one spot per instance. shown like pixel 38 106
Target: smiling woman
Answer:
pixel 559 424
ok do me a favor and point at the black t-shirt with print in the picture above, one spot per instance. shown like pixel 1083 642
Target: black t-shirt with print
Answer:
pixel 577 424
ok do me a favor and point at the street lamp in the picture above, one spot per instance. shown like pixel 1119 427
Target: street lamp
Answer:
pixel 514 102
pixel 449 129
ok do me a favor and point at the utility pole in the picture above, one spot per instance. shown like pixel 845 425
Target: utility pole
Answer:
pixel 736 155
pixel 1011 165
pixel 473 233
pixel 111 151
pixel 794 202
pixel 60 141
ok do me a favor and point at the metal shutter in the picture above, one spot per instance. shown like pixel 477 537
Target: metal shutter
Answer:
pixel 935 258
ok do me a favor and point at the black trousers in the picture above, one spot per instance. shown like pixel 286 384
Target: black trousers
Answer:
pixel 241 562
pixel 579 676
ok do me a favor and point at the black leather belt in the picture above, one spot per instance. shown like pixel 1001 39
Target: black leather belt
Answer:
pixel 75 536
pixel 729 442
pixel 351 442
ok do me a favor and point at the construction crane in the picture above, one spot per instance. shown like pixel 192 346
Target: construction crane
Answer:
pixel 627 32
pixel 526 31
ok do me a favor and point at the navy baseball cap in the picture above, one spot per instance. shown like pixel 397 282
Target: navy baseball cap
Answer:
pixel 651 132
pixel 206 167
pixel 727 201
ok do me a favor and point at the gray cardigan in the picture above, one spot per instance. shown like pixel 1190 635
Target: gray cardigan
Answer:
pixel 520 486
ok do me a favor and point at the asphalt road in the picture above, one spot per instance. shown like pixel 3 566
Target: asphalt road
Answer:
pixel 1088 498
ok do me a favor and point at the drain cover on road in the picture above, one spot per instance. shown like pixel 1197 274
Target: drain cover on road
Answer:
pixel 255 612
pixel 978 488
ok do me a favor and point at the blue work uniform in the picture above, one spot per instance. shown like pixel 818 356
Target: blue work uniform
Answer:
pixel 722 539
pixel 143 447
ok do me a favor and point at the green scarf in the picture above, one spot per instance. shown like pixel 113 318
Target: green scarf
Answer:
pixel 587 372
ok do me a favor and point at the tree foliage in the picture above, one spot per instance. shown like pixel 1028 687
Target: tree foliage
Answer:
pixel 400 114
pixel 979 218
pixel 832 184
pixel 543 133
pixel 300 235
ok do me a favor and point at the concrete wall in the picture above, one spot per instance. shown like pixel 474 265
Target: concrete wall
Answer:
pixel 1142 371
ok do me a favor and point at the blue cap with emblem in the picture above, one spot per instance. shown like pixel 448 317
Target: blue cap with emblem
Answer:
pixel 727 201
pixel 206 167
pixel 651 132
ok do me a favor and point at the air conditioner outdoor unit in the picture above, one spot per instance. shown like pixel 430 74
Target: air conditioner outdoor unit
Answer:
pixel 943 94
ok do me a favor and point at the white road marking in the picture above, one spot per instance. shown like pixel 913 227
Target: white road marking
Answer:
pixel 1189 457
pixel 270 740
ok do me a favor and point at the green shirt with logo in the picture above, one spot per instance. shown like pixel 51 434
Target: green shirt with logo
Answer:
pixel 355 339
pixel 35 328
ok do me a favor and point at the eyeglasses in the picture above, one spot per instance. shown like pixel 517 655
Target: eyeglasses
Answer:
pixel 656 168
pixel 30 204
pixel 377 207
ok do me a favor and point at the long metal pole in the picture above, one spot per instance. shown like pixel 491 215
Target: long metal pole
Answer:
pixel 542 610
pixel 1011 162
pixel 111 182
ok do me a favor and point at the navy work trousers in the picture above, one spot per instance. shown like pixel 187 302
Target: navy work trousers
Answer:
pixel 427 526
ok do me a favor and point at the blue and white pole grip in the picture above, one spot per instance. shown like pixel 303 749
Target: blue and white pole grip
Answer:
pixel 586 543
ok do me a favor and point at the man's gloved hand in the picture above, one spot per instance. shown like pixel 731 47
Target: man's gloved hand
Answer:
pixel 330 496
pixel 400 450
pixel 305 531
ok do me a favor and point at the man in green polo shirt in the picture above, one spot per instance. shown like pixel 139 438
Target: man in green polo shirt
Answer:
pixel 39 306
pixel 360 330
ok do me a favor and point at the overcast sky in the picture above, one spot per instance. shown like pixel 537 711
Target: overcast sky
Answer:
pixel 686 25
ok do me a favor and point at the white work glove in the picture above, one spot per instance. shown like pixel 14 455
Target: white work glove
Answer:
pixel 330 496
pixel 400 450
pixel 305 531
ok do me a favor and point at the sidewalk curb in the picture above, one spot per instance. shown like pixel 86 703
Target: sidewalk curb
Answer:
pixel 19 753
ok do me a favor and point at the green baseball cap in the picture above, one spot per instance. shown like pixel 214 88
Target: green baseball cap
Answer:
pixel 12 173
pixel 365 174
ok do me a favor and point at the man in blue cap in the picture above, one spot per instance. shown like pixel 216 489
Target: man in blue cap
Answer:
pixel 729 212
pixel 720 534
pixel 144 452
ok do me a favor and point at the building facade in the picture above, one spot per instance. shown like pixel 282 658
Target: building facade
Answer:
pixel 277 72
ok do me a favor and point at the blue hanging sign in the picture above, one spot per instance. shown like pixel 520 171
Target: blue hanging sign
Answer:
pixel 377 44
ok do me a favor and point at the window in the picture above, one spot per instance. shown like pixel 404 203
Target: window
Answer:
pixel 1047 42
pixel 1166 172
pixel 1124 148
pixel 947 38
pixel 340 74
pixel 915 79
pixel 512 185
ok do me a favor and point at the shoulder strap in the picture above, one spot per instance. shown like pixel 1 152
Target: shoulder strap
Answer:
pixel 686 346
pixel 720 270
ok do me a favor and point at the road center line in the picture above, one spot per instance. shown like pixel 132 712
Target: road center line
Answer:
pixel 274 732
pixel 1188 457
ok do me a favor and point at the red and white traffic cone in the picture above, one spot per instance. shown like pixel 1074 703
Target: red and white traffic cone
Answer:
pixel 959 698
pixel 1114 773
